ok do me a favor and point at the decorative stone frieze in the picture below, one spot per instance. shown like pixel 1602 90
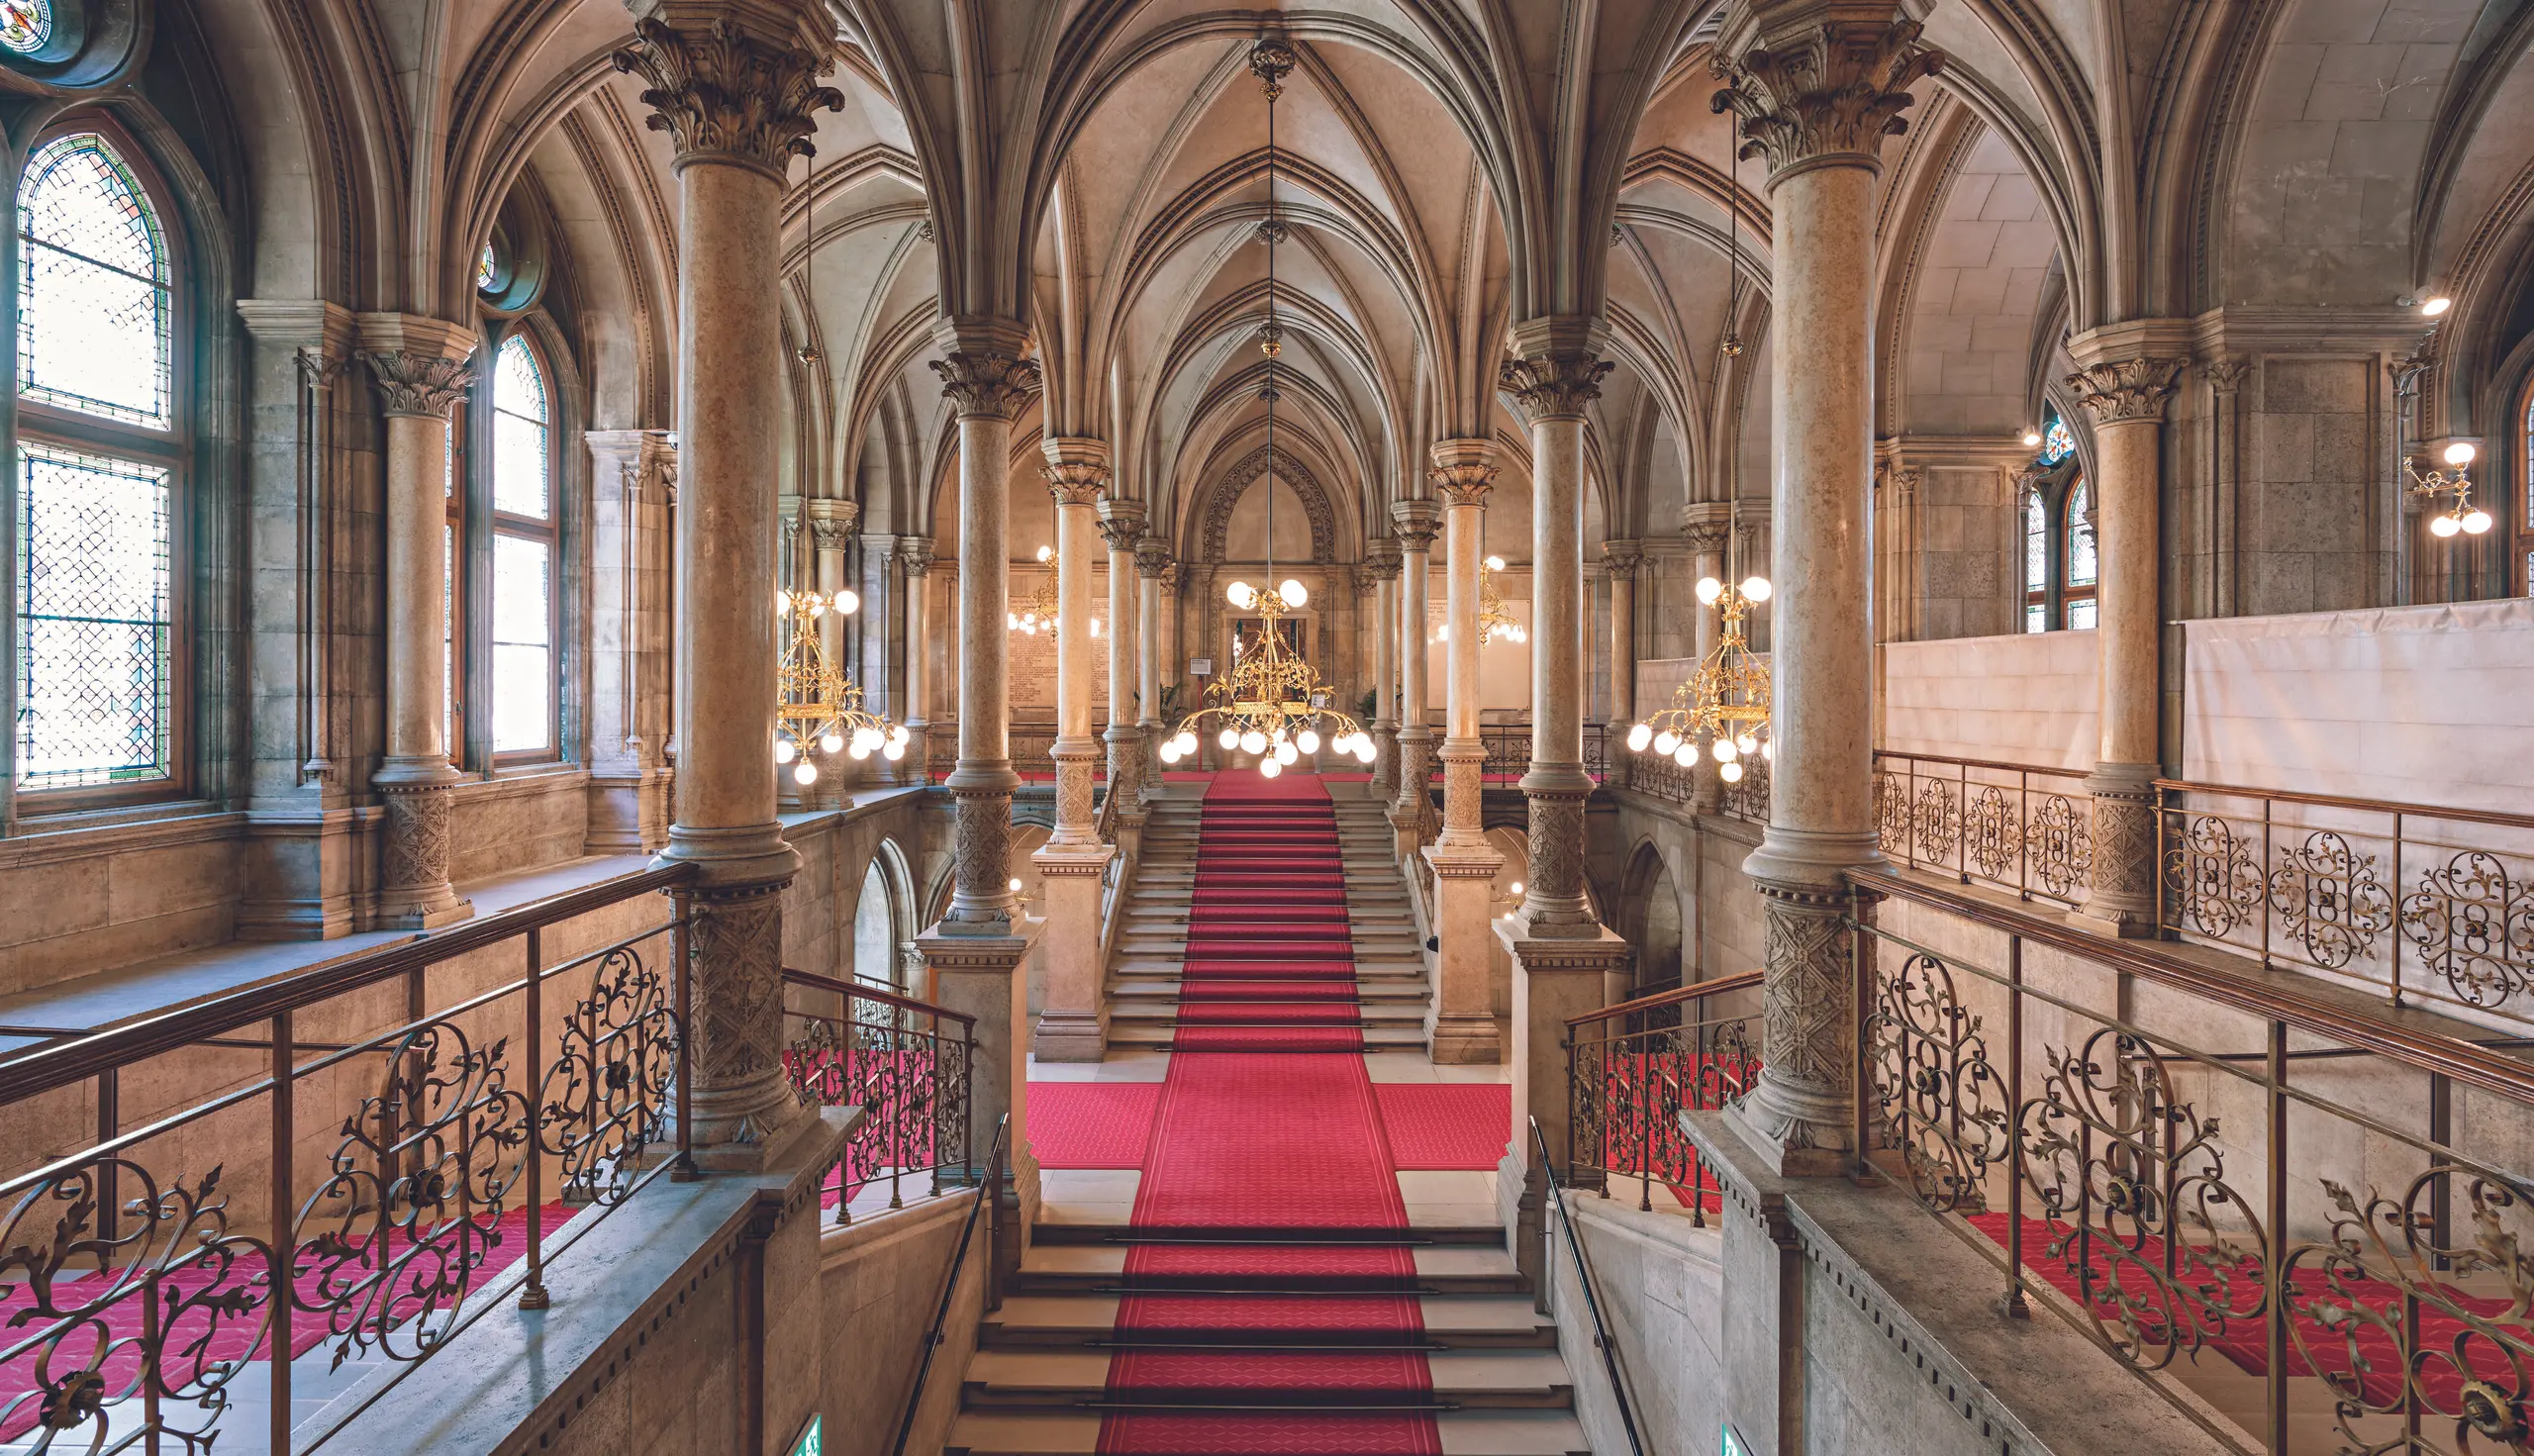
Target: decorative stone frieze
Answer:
pixel 2121 390
pixel 1552 386
pixel 1830 91
pixel 726 94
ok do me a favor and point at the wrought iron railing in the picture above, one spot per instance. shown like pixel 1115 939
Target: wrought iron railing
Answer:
pixel 1508 752
pixel 2230 1186
pixel 2422 904
pixel 2013 825
pixel 188 1236
pixel 1633 1068
pixel 905 1062
pixel 1747 798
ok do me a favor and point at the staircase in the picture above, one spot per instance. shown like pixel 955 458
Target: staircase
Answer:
pixel 1389 964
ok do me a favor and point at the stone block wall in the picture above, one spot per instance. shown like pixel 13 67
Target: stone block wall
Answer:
pixel 1660 1283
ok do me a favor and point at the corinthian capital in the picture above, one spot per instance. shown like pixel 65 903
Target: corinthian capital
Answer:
pixel 1462 471
pixel 1077 469
pixel 2126 389
pixel 419 383
pixel 1152 558
pixel 725 93
pixel 1381 560
pixel 1622 559
pixel 1548 386
pixel 1122 524
pixel 914 553
pixel 991 384
pixel 1415 522
pixel 1833 89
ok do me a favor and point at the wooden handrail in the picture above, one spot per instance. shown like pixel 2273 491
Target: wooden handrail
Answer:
pixel 2467 1062
pixel 43 1069
pixel 2335 801
pixel 2062 773
pixel 886 998
pixel 1717 987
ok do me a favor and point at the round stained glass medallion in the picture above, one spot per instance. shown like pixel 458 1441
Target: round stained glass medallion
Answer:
pixel 488 267
pixel 25 24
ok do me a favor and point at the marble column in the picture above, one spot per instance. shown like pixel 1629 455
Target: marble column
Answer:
pixel 1415 522
pixel 831 528
pixel 915 558
pixel 2126 391
pixel 1382 559
pixel 1621 562
pixel 1707 525
pixel 738 99
pixel 423 372
pixel 1074 1026
pixel 1122 525
pixel 1153 564
pixel 1462 1028
pixel 1553 375
pixel 1817 98
pixel 634 473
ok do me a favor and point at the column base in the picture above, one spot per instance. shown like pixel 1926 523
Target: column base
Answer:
pixel 2121 902
pixel 1070 1036
pixel 1801 1116
pixel 1385 760
pixel 1553 979
pixel 745 1107
pixel 987 976
pixel 1075 1025
pixel 414 892
pixel 1463 1028
pixel 980 901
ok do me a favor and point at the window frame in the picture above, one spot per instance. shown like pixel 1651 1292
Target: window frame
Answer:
pixel 2055 487
pixel 2521 515
pixel 171 449
pixel 492 523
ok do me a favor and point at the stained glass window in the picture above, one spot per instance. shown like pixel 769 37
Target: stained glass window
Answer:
pixel 25 24
pixel 520 483
pixel 96 676
pixel 2082 568
pixel 2058 441
pixel 2036 564
pixel 488 269
pixel 524 549
pixel 93 299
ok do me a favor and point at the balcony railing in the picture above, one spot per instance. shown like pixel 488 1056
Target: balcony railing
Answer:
pixel 906 1063
pixel 1633 1068
pixel 2301 1224
pixel 2422 904
pixel 2011 826
pixel 499 1117
pixel 1660 777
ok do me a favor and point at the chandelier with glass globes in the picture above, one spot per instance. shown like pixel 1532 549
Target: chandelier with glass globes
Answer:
pixel 1494 622
pixel 1724 708
pixel 1272 705
pixel 817 707
pixel 1039 614
pixel 2461 516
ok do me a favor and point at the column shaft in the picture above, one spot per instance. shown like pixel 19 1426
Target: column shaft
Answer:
pixel 1151 560
pixel 1122 524
pixel 914 553
pixel 1416 521
pixel 1463 1028
pixel 1385 724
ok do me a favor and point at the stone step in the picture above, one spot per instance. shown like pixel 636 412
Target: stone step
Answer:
pixel 1098 1269
pixel 1465 1380
pixel 1140 991
pixel 1455 1321
pixel 1548 1432
pixel 1158 1036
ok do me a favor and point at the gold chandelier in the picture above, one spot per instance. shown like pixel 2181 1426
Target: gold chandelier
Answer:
pixel 1039 614
pixel 1493 621
pixel 817 707
pixel 1272 705
pixel 2461 516
pixel 1724 706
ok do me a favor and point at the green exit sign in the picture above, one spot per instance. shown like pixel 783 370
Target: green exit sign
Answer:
pixel 812 1441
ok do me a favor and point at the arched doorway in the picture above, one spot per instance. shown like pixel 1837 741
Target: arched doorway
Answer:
pixel 1650 917
pixel 875 931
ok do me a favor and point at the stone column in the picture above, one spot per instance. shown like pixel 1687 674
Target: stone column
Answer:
pixel 1152 563
pixel 737 96
pixel 1707 526
pixel 915 558
pixel 1122 525
pixel 633 475
pixel 1621 561
pixel 1818 98
pixel 423 371
pixel 1074 1028
pixel 1463 1024
pixel 1551 377
pixel 1382 559
pixel 831 527
pixel 2126 390
pixel 1415 522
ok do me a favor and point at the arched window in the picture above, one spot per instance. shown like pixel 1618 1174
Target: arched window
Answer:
pixel 2036 562
pixel 100 508
pixel 525 599
pixel 2524 512
pixel 2077 596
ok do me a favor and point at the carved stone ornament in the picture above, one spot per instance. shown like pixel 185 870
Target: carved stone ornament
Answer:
pixel 725 93
pixel 914 553
pixel 1552 386
pixel 1556 836
pixel 1123 531
pixel 1463 482
pixel 2126 389
pixel 828 533
pixel 421 384
pixel 1704 536
pixel 994 386
pixel 2226 375
pixel 736 953
pixel 1415 523
pixel 1837 90
pixel 1622 563
pixel 1077 483
pixel 1152 558
pixel 981 850
pixel 414 853
pixel 1381 560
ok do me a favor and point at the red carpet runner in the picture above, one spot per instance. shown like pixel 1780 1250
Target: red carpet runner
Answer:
pixel 1271 1302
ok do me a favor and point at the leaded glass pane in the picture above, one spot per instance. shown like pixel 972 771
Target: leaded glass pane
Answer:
pixel 519 431
pixel 2036 544
pixel 2032 618
pixel 2058 441
pixel 96 677
pixel 488 268
pixel 25 24
pixel 94 322
pixel 2080 534
pixel 523 644
pixel 2080 613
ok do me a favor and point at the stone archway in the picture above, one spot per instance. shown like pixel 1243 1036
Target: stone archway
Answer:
pixel 1650 919
pixel 1213 524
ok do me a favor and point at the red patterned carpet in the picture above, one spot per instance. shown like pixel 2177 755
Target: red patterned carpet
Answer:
pixel 1268 1215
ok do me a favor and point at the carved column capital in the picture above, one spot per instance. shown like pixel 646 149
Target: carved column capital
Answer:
pixel 987 383
pixel 1462 471
pixel 914 555
pixel 723 93
pixel 1415 522
pixel 419 383
pixel 830 523
pixel 1381 560
pixel 1828 92
pixel 2120 390
pixel 1153 559
pixel 1552 386
pixel 1621 560
pixel 2225 375
pixel 1122 524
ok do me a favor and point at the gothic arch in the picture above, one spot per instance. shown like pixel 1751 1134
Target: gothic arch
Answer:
pixel 1216 522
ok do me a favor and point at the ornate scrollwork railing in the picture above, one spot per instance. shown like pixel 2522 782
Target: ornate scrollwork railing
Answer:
pixel 2347 1235
pixel 905 1062
pixel 1633 1068
pixel 143 1276
pixel 2424 903
pixel 2013 826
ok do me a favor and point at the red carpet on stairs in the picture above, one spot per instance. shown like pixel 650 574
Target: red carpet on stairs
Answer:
pixel 1270 1304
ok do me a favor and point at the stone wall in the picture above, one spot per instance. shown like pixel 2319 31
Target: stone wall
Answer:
pixel 2026 698
pixel 1659 1280
pixel 879 1282
pixel 90 900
